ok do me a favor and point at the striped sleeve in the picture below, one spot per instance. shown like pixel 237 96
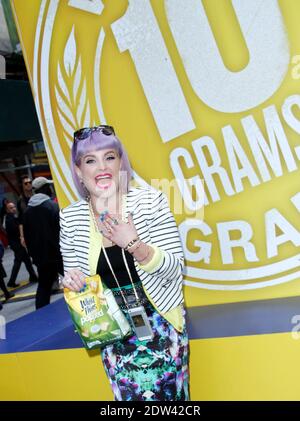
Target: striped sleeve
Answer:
pixel 155 261
pixel 66 244
pixel 164 234
pixel 165 285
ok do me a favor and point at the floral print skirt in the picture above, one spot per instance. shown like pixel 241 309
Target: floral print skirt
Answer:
pixel 150 370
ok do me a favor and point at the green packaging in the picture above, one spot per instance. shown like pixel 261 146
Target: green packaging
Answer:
pixel 96 315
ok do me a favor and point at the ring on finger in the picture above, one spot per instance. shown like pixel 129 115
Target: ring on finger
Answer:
pixel 68 281
pixel 108 229
pixel 110 222
pixel 108 226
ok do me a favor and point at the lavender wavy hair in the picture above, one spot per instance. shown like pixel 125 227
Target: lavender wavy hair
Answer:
pixel 95 142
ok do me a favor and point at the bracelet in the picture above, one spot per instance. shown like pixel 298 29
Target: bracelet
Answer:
pixel 135 245
pixel 144 258
pixel 131 243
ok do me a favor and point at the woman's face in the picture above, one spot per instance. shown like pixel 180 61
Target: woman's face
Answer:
pixel 99 171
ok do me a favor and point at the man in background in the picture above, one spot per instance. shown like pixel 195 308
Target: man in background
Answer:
pixel 12 225
pixel 41 232
pixel 23 202
pixel 25 195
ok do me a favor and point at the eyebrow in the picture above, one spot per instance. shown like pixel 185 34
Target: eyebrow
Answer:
pixel 94 156
pixel 89 155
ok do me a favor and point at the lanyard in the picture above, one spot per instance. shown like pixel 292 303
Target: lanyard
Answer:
pixel 110 266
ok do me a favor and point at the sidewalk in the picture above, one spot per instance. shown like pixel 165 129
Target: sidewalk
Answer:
pixel 26 293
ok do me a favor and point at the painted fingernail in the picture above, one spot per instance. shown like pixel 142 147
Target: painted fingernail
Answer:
pixel 103 214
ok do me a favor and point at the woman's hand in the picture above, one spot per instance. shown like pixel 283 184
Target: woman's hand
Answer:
pixel 74 280
pixel 121 233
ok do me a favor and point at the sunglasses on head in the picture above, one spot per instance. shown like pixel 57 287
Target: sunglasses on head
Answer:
pixel 85 132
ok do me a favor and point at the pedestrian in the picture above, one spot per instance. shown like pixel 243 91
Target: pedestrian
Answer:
pixel 14 235
pixel 41 232
pixel 23 202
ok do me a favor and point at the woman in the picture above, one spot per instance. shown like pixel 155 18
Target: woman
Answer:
pixel 129 237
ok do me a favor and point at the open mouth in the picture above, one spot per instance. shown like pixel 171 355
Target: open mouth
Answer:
pixel 103 181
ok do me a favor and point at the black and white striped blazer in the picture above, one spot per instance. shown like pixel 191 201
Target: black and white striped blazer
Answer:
pixel 154 223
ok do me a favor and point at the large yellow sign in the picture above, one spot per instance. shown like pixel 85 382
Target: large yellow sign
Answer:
pixel 197 90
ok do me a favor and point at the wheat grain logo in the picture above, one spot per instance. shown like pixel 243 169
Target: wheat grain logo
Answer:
pixel 72 103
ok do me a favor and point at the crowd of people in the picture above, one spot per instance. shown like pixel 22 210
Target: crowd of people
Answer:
pixel 30 228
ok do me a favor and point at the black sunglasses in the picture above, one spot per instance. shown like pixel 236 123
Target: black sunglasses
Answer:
pixel 85 132
pixel 27 182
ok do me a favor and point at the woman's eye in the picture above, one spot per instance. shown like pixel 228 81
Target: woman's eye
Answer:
pixel 111 157
pixel 88 161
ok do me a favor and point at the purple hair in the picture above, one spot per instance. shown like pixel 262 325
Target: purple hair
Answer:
pixel 95 142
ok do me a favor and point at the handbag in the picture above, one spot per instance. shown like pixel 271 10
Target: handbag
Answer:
pixel 97 317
